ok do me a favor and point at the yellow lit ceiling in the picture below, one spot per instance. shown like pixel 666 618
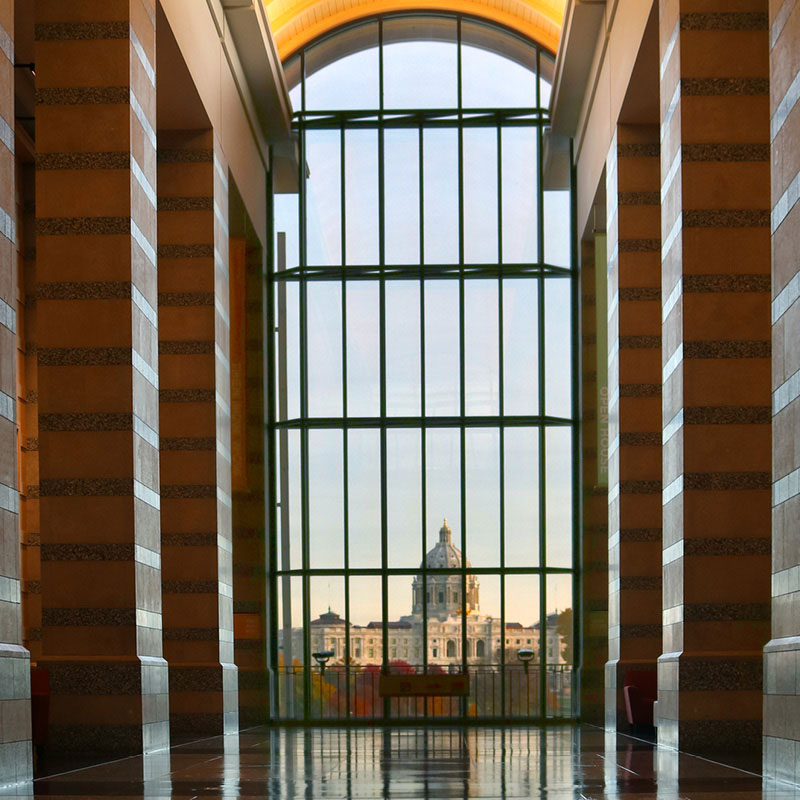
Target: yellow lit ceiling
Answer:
pixel 296 22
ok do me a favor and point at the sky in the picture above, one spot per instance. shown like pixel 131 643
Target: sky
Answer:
pixel 423 74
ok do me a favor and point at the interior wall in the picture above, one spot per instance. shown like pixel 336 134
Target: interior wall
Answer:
pixel 193 34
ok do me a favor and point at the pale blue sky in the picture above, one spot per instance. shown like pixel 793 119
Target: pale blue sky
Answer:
pixel 423 74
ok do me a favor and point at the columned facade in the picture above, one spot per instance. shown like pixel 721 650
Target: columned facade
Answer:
pixel 634 450
pixel 782 654
pixel 715 272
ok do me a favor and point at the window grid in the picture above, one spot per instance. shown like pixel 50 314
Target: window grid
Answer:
pixel 382 273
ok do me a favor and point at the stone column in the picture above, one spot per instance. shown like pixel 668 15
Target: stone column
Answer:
pixel 633 223
pixel 594 540
pixel 782 654
pixel 196 433
pixel 716 365
pixel 98 376
pixel 15 735
pixel 249 513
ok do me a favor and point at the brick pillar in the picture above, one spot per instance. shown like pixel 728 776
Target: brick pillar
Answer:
pixel 634 339
pixel 782 654
pixel 595 506
pixel 196 433
pixel 15 744
pixel 249 513
pixel 716 374
pixel 98 375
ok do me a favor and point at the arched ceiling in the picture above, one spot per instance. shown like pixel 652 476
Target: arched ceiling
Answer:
pixel 296 22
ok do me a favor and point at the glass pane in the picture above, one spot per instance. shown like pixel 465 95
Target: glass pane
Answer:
pixel 325 498
pixel 324 349
pixel 558 447
pixel 351 82
pixel 403 377
pixel 287 222
pixel 440 173
pixel 366 612
pixel 287 300
pixel 480 195
pixel 323 199
pixel 405 632
pixel 364 498
pixel 520 346
pixel 442 348
pixel 481 345
pixel 557 237
pixel 522 496
pixel 401 196
pixel 483 629
pixel 558 348
pixel 490 80
pixel 291 556
pixel 290 648
pixel 328 635
pixel 522 627
pixel 421 73
pixel 404 487
pixel 520 196
pixel 483 497
pixel 363 349
pixel 366 646
pixel 443 486
pixel 361 196
pixel 559 645
pixel 483 623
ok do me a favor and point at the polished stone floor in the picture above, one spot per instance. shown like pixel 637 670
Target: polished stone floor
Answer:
pixel 565 762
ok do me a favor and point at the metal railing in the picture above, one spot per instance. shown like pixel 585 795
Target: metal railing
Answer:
pixel 496 693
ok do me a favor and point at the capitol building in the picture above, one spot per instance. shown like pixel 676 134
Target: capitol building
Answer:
pixel 485 637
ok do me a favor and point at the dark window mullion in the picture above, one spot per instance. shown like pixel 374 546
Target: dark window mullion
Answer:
pixel 345 432
pixel 304 473
pixel 382 300
pixel 542 440
pixel 422 401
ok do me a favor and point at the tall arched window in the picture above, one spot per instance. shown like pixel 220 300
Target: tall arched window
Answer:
pixel 424 285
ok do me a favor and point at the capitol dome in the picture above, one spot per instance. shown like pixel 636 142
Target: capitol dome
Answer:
pixel 442 595
pixel 444 555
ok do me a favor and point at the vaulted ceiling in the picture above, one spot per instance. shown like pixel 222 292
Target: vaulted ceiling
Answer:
pixel 296 22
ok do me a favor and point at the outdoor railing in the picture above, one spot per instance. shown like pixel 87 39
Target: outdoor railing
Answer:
pixel 496 692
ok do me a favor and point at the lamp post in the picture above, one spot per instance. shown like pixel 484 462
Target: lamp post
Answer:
pixel 525 655
pixel 322 658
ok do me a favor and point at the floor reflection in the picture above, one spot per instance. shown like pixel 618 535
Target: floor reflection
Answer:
pixel 580 763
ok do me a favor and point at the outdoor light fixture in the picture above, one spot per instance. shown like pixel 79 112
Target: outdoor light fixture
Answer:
pixel 525 655
pixel 322 658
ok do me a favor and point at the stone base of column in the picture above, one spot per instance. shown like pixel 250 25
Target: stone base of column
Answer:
pixel 782 709
pixel 591 680
pixel 616 718
pixel 111 706
pixel 16 753
pixel 253 697
pixel 203 700
pixel 710 703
